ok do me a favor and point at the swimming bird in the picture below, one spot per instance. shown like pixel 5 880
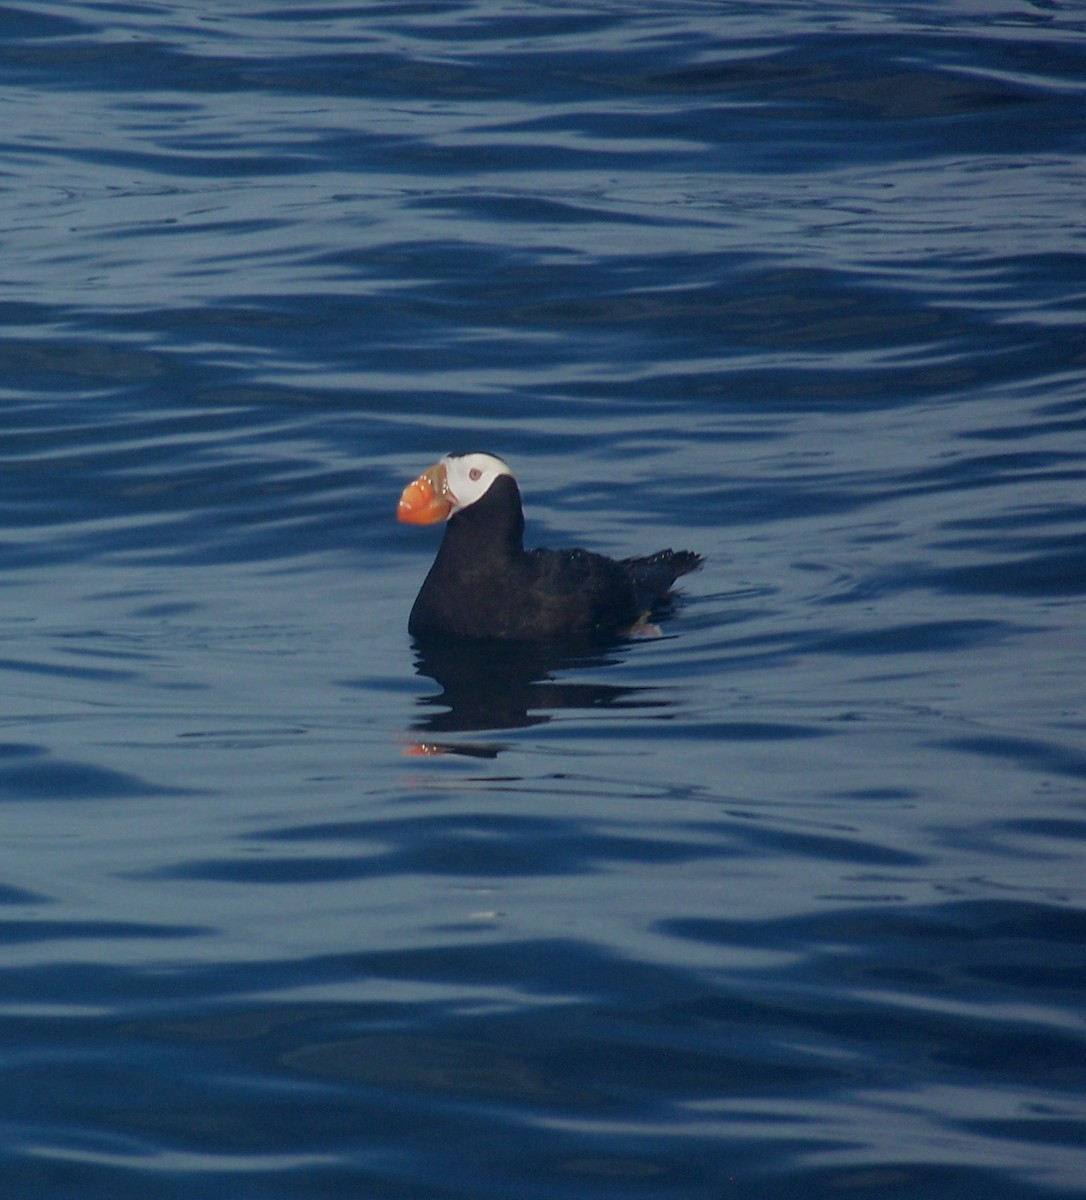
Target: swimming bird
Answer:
pixel 484 584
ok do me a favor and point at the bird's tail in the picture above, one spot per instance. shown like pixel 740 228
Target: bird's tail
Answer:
pixel 653 575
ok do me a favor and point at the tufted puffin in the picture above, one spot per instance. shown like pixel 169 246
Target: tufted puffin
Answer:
pixel 484 584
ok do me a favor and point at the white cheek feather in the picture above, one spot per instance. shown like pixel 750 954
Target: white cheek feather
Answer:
pixel 470 476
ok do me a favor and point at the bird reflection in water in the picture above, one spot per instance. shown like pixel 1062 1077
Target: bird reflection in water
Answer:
pixel 494 685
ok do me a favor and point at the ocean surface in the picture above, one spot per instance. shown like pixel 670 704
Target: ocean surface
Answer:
pixel 788 902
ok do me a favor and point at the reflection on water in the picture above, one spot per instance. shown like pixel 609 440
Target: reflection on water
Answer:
pixel 513 685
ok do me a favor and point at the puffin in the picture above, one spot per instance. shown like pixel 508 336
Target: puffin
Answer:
pixel 484 584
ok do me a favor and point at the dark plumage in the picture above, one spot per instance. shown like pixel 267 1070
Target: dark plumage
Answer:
pixel 484 584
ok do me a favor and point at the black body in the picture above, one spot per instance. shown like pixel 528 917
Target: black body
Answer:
pixel 484 584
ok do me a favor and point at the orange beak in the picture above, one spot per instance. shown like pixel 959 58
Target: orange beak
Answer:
pixel 426 499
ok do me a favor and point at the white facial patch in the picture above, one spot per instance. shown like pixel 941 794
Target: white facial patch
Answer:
pixel 470 476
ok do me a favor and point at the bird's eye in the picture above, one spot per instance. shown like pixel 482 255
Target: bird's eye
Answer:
pixel 474 474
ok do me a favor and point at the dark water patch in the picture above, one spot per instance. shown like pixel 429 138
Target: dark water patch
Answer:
pixel 266 870
pixel 538 969
pixel 1051 1130
pixel 67 670
pixel 830 848
pixel 536 212
pixel 21 25
pixel 922 985
pixel 893 1178
pixel 1049 827
pixel 1057 417
pixel 165 609
pixel 958 947
pixel 922 637
pixel 43 364
pixel 463 846
pixel 653 730
pixel 1022 519
pixel 44 778
pixel 455 1068
pixel 764 651
pixel 1062 573
pixel 10 750
pixel 971 474
pixel 813 317
pixel 990 470
pixel 192 472
pixel 942 81
pixel 35 931
pixel 504 1069
pixel 20 896
pixel 593 1067
pixel 242 736
pixel 1028 754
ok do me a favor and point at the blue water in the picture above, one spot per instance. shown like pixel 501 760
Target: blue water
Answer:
pixel 788 902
